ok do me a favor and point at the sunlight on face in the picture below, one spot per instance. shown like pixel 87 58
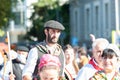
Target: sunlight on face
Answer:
pixel 110 64
pixel 69 55
pixel 97 52
pixel 49 74
pixel 53 35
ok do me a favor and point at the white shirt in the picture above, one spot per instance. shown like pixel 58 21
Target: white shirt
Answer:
pixel 31 62
pixel 71 70
pixel 4 73
pixel 86 72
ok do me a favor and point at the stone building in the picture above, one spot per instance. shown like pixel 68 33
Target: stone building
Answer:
pixel 96 17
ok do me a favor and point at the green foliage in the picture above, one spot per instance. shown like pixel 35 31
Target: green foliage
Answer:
pixel 65 19
pixel 46 10
pixel 2 33
pixel 48 3
pixel 5 12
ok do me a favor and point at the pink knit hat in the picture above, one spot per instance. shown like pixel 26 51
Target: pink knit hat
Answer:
pixel 48 59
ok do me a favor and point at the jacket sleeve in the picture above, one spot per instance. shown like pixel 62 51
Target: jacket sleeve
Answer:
pixel 31 62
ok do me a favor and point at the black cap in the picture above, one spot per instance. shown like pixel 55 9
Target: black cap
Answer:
pixel 23 48
pixel 54 24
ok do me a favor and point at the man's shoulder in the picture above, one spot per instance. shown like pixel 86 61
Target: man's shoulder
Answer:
pixel 43 43
pixel 86 72
pixel 58 46
pixel 41 47
pixel 87 67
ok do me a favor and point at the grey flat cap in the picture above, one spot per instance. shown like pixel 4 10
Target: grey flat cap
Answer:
pixel 54 24
pixel 23 48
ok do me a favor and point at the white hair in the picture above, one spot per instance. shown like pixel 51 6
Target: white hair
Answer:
pixel 97 41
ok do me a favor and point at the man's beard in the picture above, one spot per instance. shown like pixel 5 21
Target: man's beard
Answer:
pixel 51 40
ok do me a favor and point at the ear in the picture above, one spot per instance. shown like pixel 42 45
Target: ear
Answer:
pixel 45 31
pixel 118 59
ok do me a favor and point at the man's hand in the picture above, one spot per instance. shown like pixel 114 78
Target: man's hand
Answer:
pixel 26 77
pixel 11 77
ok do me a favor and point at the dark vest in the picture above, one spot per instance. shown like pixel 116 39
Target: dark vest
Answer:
pixel 42 49
pixel 17 70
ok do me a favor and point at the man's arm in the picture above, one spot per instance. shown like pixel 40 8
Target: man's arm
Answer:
pixel 30 64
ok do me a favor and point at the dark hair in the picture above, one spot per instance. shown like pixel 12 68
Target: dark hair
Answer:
pixel 82 51
pixel 67 46
pixel 108 53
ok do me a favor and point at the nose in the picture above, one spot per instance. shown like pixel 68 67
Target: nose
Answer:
pixel 107 59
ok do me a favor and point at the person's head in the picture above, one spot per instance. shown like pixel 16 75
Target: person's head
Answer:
pixel 49 67
pixel 22 53
pixel 52 31
pixel 69 53
pixel 97 48
pixel 110 58
pixel 82 52
pixel 92 37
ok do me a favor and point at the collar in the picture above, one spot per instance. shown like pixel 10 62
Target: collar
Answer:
pixel 94 64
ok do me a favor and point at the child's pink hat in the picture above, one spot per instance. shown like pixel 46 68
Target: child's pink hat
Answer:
pixel 48 59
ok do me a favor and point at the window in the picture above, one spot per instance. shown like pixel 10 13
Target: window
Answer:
pixel 96 19
pixel 17 18
pixel 106 19
pixel 88 28
pixel 106 16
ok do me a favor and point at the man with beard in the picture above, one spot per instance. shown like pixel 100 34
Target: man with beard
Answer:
pixel 52 30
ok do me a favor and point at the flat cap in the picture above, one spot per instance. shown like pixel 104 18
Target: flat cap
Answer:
pixel 54 24
pixel 23 48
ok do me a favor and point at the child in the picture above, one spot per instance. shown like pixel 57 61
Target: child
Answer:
pixel 49 67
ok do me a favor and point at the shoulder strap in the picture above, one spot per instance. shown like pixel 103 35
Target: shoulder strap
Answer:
pixel 41 49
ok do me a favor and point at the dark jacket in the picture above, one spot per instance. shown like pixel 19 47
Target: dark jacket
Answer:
pixel 17 71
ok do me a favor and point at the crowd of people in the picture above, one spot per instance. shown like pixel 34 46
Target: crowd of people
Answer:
pixel 48 60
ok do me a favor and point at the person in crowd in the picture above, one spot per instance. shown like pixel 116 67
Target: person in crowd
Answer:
pixel 13 71
pixel 95 62
pixel 92 37
pixel 1 61
pixel 110 58
pixel 52 30
pixel 82 55
pixel 71 65
pixel 49 68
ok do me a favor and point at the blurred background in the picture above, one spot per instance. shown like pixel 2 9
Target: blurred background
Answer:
pixel 24 19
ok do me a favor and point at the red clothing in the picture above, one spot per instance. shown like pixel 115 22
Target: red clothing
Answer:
pixel 92 62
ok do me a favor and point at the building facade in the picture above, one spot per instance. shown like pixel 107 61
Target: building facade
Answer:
pixel 96 17
pixel 22 11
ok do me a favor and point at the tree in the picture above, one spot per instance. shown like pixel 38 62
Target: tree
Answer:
pixel 46 10
pixel 5 12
